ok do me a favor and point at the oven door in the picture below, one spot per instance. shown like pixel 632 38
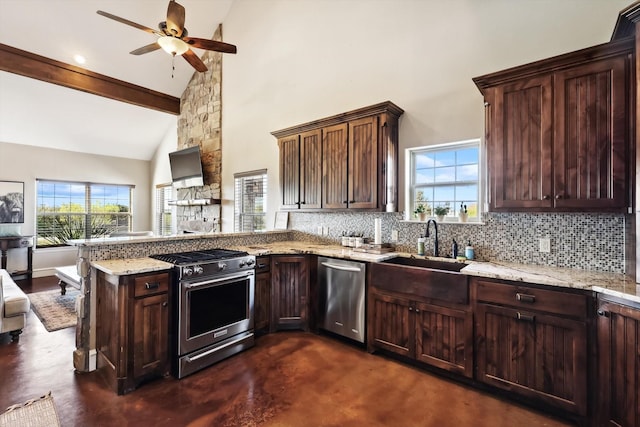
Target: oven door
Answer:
pixel 215 309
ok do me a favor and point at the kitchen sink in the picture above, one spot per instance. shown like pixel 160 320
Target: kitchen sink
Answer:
pixel 424 278
pixel 427 263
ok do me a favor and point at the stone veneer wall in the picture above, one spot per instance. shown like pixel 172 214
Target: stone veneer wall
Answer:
pixel 199 124
pixel 585 241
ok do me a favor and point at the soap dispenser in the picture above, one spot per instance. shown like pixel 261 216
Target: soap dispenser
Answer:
pixel 421 241
pixel 454 250
pixel 468 251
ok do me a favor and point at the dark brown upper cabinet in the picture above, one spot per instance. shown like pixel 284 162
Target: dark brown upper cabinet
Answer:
pixel 559 132
pixel 347 161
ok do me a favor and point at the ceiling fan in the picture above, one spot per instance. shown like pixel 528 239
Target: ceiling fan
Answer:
pixel 173 37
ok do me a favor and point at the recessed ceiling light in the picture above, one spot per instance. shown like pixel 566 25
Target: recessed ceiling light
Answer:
pixel 79 59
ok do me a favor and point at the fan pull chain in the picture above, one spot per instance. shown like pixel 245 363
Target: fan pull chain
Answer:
pixel 173 64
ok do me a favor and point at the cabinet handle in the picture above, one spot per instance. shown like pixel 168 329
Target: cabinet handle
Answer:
pixel 262 265
pixel 345 202
pixel 530 299
pixel 154 285
pixel 602 313
pixel 164 304
pixel 352 201
pixel 526 317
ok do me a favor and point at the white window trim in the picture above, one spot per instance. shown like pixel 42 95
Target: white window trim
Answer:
pixel 408 178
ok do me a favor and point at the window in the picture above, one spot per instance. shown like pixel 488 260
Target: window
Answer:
pixel 80 210
pixel 250 201
pixel 164 211
pixel 446 176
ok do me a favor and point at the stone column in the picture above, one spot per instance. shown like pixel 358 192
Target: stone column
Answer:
pixel 81 356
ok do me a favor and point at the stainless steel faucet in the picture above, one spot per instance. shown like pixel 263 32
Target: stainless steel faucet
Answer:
pixel 435 241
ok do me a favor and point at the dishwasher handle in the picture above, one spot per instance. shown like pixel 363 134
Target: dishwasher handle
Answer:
pixel 341 267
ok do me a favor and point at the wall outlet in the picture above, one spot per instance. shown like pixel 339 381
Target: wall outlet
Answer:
pixel 325 231
pixel 545 245
pixel 319 230
pixel 394 235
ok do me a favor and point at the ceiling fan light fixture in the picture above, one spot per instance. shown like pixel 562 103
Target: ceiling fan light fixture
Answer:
pixel 173 45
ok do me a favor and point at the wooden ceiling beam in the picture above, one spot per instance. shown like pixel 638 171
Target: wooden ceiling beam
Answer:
pixel 49 70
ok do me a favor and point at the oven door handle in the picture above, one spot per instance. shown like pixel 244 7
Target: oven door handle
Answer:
pixel 219 280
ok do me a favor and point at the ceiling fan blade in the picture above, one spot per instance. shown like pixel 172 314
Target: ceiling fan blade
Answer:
pixel 175 18
pixel 131 23
pixel 194 60
pixel 210 45
pixel 145 49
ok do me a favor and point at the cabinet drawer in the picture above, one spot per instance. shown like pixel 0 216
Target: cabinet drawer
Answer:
pixel 262 264
pixel 563 303
pixel 151 284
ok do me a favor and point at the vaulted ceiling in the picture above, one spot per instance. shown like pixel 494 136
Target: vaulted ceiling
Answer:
pixel 33 112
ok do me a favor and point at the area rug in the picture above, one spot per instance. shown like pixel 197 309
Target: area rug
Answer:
pixel 40 412
pixel 55 311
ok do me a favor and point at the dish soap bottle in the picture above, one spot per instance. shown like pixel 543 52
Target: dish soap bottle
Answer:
pixel 421 241
pixel 454 251
pixel 468 251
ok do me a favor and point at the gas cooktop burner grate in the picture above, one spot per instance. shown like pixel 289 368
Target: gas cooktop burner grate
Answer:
pixel 199 256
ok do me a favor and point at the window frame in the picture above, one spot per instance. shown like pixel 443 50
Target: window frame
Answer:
pixel 163 207
pixel 86 214
pixel 410 155
pixel 238 205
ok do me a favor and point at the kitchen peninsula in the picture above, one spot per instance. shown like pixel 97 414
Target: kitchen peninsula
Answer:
pixel 536 290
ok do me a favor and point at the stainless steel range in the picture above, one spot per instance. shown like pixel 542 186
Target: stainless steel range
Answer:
pixel 213 307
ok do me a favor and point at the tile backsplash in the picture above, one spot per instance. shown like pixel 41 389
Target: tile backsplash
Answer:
pixel 585 241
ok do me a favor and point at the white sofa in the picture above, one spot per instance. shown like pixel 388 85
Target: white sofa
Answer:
pixel 14 306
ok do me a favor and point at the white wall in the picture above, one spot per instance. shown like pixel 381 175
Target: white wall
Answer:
pixel 306 59
pixel 28 163
pixel 160 168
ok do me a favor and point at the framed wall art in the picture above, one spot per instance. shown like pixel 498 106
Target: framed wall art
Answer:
pixel 11 202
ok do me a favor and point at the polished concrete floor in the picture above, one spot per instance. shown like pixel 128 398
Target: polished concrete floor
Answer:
pixel 288 379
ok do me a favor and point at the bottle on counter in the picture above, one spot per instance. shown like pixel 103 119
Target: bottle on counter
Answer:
pixel 454 250
pixel 468 251
pixel 421 241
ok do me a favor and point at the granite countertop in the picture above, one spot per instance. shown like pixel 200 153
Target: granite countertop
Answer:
pixel 122 267
pixel 616 284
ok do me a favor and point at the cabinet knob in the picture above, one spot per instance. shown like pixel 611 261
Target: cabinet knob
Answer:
pixel 525 317
pixel 558 196
pixel 602 313
pixel 303 202
pixel 154 285
pixel 546 197
pixel 530 299
pixel 352 201
pixel 164 304
pixel 345 202
pixel 417 310
pixel 410 308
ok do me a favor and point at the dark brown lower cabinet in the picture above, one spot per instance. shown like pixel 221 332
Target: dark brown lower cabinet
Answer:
pixel 618 392
pixel 436 335
pixel 262 305
pixel 528 346
pixel 289 292
pixel 133 328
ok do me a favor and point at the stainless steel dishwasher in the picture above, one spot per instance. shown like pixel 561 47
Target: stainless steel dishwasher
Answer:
pixel 342 297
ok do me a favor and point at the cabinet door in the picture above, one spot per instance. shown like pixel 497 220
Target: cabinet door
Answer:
pixel 591 135
pixel 150 335
pixel 262 301
pixel 619 365
pixel 290 172
pixel 537 356
pixel 363 163
pixel 334 167
pixel 289 293
pixel 390 325
pixel 311 170
pixel 444 338
pixel 520 147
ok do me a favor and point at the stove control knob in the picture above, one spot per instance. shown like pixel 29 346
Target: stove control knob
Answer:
pixel 250 262
pixel 242 264
pixel 197 269
pixel 221 266
pixel 187 271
